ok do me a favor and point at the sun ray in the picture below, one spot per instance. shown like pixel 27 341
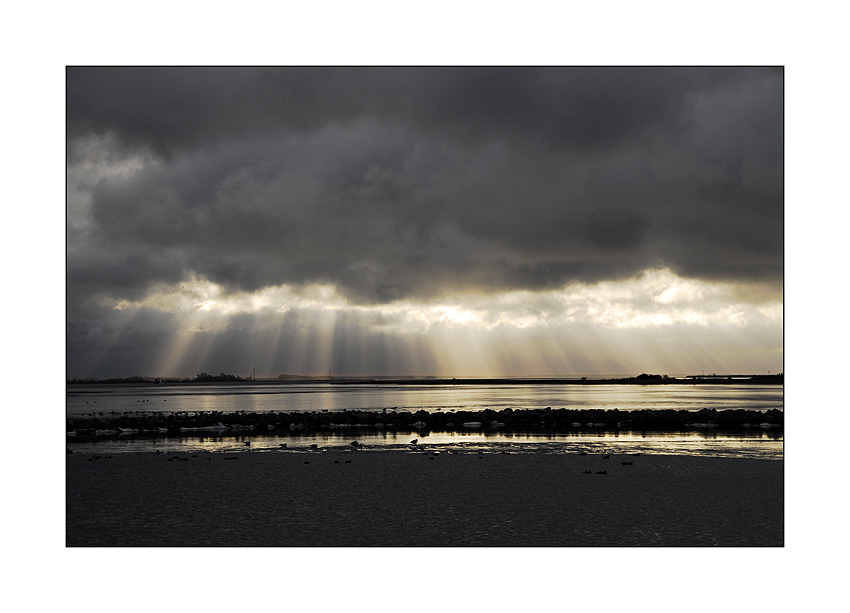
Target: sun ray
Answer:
pixel 651 321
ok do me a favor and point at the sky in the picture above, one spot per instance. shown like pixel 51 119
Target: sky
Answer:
pixel 442 221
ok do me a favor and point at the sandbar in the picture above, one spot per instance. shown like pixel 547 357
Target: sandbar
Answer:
pixel 417 499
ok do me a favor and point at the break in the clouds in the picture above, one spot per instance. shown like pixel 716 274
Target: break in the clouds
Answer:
pixel 405 189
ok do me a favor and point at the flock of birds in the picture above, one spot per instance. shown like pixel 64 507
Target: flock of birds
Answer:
pixel 607 456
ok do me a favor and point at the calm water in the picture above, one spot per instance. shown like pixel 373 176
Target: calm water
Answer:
pixel 752 442
pixel 324 396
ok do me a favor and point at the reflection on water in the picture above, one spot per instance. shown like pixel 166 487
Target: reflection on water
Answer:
pixel 83 399
pixel 757 444
pixel 93 400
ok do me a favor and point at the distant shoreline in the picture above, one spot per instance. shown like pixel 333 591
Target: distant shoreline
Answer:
pixel 650 380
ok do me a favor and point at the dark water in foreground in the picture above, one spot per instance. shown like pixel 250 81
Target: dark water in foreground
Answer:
pixel 755 442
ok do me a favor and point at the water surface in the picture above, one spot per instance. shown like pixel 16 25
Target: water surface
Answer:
pixel 106 400
pixel 83 399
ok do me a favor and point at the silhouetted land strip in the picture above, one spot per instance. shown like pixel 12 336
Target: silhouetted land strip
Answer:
pixel 639 380
pixel 549 419
pixel 413 499
pixel 643 379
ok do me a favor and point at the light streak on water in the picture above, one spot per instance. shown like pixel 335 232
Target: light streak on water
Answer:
pixel 108 400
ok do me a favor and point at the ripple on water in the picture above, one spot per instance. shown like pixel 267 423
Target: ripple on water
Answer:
pixel 756 447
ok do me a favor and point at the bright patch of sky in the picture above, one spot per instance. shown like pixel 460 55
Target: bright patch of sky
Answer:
pixel 658 298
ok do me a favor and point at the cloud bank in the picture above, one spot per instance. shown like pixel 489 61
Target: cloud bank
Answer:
pixel 418 185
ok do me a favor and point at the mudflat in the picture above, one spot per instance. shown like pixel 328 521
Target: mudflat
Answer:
pixel 415 499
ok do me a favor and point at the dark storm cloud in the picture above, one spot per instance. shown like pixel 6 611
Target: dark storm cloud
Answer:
pixel 172 109
pixel 394 182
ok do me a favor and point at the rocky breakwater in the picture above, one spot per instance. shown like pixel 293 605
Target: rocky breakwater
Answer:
pixel 509 419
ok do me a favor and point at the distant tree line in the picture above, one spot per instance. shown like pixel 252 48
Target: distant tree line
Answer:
pixel 218 378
